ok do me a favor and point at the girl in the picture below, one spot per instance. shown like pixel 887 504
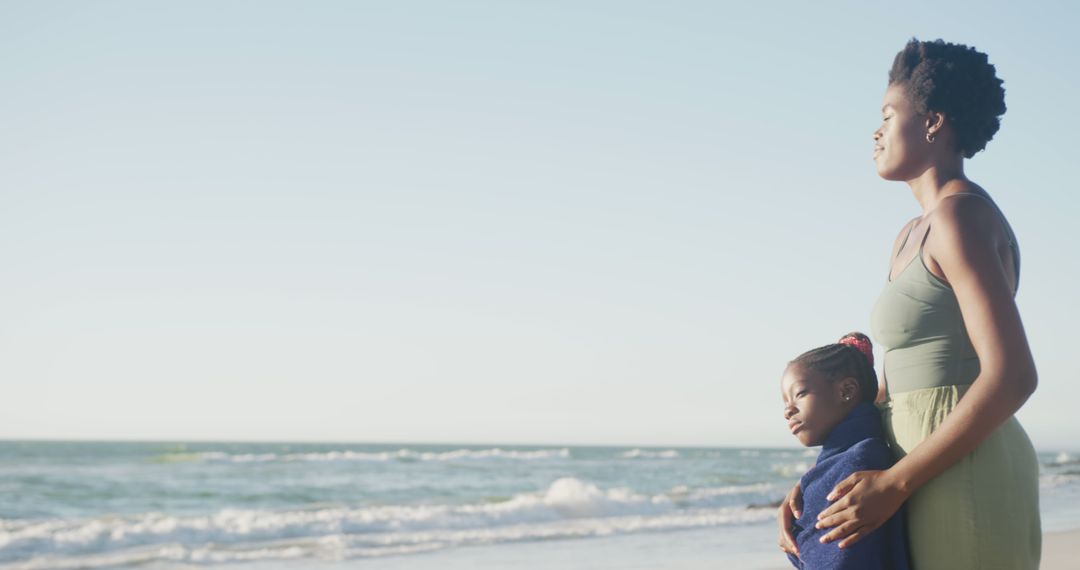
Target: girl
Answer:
pixel 828 397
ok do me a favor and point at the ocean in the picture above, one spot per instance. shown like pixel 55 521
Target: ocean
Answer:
pixel 295 505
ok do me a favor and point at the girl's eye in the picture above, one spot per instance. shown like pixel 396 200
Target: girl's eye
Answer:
pixel 800 394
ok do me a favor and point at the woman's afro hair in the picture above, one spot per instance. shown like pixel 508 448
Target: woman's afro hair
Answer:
pixel 956 80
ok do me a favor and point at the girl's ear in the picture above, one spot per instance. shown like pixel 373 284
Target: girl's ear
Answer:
pixel 848 388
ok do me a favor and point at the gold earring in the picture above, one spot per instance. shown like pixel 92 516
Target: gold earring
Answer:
pixel 930 137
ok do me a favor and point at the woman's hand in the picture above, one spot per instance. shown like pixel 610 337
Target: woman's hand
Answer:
pixel 863 502
pixel 790 509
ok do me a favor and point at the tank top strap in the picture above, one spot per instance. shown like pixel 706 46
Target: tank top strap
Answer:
pixel 907 236
pixel 925 235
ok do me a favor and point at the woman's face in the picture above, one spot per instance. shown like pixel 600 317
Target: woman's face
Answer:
pixel 900 148
pixel 813 406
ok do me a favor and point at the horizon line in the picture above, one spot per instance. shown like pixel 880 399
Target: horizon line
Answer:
pixel 445 444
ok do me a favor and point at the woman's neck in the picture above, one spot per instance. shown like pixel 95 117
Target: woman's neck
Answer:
pixel 935 183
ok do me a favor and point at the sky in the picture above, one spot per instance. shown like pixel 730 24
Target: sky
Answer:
pixel 482 222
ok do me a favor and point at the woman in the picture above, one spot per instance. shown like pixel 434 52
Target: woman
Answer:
pixel 957 364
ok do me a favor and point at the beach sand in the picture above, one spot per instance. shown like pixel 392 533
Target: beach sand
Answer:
pixel 703 549
pixel 1059 550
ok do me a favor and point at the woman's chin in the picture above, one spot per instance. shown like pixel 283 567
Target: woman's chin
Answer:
pixel 887 173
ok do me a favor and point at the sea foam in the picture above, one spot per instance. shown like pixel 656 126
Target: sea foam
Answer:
pixel 567 507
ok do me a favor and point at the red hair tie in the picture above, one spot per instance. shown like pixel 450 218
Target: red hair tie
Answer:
pixel 862 344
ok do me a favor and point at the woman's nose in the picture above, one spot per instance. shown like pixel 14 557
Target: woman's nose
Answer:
pixel 788 411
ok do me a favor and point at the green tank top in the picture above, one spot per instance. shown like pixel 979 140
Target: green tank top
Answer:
pixel 918 322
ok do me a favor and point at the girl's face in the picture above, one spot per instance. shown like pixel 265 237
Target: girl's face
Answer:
pixel 813 406
pixel 900 148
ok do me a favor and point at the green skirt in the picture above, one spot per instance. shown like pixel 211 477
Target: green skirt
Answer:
pixel 983 512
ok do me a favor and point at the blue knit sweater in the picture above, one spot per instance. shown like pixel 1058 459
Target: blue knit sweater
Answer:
pixel 857 443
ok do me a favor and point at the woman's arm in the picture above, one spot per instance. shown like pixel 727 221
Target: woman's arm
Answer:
pixel 964 243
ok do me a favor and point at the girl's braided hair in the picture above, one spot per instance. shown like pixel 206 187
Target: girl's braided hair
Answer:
pixel 851 356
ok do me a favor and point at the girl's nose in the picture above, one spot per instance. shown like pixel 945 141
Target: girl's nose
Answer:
pixel 788 411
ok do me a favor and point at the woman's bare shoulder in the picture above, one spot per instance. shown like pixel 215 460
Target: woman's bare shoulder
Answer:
pixel 968 215
pixel 968 232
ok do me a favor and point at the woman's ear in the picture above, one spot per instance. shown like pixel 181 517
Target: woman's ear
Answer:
pixel 935 122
